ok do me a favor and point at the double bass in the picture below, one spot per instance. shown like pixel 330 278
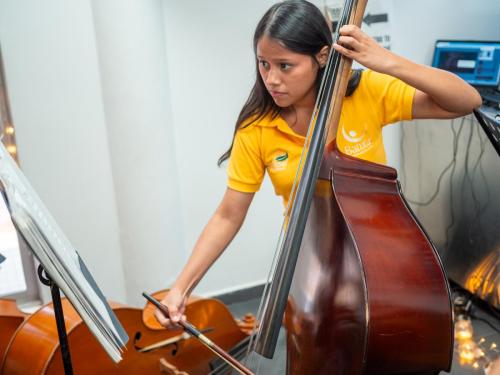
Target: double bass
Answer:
pixel 34 348
pixel 10 319
pixel 360 284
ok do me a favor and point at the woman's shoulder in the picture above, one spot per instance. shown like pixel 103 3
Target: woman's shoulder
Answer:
pixel 255 123
pixel 376 82
pixel 372 75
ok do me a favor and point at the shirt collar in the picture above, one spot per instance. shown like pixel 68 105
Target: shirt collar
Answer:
pixel 279 123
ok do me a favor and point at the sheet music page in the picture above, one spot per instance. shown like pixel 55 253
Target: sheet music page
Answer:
pixel 59 258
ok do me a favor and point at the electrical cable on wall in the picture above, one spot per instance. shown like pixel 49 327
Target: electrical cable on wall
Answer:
pixel 451 164
pixel 456 138
pixel 478 208
pixel 473 172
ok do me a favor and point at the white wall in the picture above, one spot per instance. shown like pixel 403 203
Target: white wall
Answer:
pixel 123 107
pixel 132 57
pixel 428 144
pixel 211 71
pixel 416 25
pixel 112 92
pixel 53 80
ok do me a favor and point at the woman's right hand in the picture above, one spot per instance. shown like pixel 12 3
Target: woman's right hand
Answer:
pixel 175 301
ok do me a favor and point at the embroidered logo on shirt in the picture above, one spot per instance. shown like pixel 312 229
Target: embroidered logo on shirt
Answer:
pixel 358 138
pixel 279 162
pixel 353 136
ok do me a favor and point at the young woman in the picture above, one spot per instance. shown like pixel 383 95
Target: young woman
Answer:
pixel 291 43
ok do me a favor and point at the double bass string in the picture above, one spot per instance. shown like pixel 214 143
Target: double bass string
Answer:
pixel 224 365
pixel 271 309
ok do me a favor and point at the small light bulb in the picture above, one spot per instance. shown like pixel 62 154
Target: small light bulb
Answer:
pixel 463 329
pixel 9 130
pixel 466 352
pixel 493 346
pixel 12 149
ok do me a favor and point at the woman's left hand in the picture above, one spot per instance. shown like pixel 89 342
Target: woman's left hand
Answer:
pixel 439 94
pixel 355 44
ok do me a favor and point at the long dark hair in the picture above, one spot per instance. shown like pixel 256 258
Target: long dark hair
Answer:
pixel 300 27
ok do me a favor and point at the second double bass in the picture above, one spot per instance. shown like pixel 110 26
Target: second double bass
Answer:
pixel 34 348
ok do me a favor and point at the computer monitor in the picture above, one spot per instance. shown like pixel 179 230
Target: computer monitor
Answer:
pixel 477 62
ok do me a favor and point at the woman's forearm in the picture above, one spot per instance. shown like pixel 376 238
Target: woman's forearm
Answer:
pixel 216 236
pixel 446 89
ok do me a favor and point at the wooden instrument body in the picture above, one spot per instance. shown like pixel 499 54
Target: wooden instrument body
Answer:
pixel 369 294
pixel 35 347
pixel 10 319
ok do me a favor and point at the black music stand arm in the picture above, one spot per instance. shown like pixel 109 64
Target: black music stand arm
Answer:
pixel 489 126
pixel 58 311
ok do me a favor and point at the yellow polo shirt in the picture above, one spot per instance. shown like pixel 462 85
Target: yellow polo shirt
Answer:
pixel 271 145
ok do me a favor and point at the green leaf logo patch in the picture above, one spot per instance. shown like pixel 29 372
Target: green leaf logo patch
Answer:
pixel 280 161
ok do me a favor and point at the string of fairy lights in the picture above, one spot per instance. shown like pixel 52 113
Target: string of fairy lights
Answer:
pixel 472 351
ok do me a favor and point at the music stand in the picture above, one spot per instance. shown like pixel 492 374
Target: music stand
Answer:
pixel 62 268
pixel 56 299
pixel 59 315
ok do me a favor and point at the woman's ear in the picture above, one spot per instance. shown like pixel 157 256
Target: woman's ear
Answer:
pixel 322 56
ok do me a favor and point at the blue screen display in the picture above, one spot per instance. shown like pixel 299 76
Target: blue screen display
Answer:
pixel 478 63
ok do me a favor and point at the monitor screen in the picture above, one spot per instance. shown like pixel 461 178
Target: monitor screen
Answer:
pixel 476 62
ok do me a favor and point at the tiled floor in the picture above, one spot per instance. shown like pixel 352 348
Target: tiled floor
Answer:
pixel 481 330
